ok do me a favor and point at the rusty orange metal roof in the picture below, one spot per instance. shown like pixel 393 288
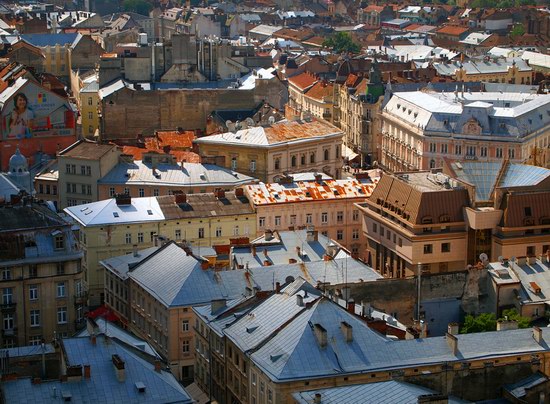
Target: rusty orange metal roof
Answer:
pixel 174 139
pixel 306 191
pixel 320 91
pixel 303 80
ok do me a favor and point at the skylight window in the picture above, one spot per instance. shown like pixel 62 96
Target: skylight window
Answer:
pixel 115 214
pixel 149 212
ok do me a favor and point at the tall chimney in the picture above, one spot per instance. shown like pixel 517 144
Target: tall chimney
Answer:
pixel 87 372
pixel 135 250
pixel 351 306
pixel 317 398
pixel 537 335
pixel 453 343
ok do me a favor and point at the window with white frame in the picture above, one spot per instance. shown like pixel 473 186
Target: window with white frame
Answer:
pixel 185 346
pixel 7 296
pixel 128 238
pixel 141 192
pixel 511 154
pixel 236 230
pixel 35 340
pixel 201 232
pixel 252 165
pixel 61 289
pixel 185 325
pixel 355 234
pixel 234 163
pixel 218 231
pixel 277 220
pixel 140 237
pixel 261 221
pixel 33 292
pixel 35 318
pixel 61 315
pixel 9 321
pixel 324 217
pixel 309 218
pixel 292 219
pixel 498 152
pixel 111 191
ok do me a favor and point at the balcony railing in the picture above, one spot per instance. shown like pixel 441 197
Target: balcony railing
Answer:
pixel 7 307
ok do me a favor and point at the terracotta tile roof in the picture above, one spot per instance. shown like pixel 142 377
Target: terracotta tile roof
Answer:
pixel 315 41
pixel 320 90
pixel 361 87
pixel 412 27
pixel 286 131
pixel 352 80
pixel 176 140
pixel 373 7
pixel 137 154
pixel 452 30
pixel 303 80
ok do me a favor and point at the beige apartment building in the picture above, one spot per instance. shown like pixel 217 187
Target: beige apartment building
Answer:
pixel 416 219
pixel 80 166
pixel 268 152
pixel 113 226
pixel 46 184
pixel 42 284
pixel 326 205
pixel 421 128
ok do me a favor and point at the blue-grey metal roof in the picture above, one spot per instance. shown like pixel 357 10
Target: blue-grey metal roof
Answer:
pixel 111 330
pixel 389 392
pixel 518 390
pixel 293 353
pixel 42 40
pixel 121 264
pixel 103 386
pixel 28 350
pixel 191 175
pixel 177 279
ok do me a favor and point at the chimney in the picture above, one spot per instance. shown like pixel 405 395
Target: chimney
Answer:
pixel 318 178
pixel 320 334
pixel 219 193
pixel 267 263
pixel 119 366
pixel 312 236
pixel 135 250
pixel 423 329
pixel 277 287
pixel 239 192
pixel 503 325
pixel 181 198
pixel 157 365
pixel 216 305
pixel 205 265
pixel 268 236
pixel 317 398
pixel 91 327
pixel 298 251
pixel 452 328
pixel 347 330
pixel 123 199
pixel 299 300
pixel 365 309
pixel 453 343
pixel 537 334
pixel 351 306
pixel 93 339
pixel 87 372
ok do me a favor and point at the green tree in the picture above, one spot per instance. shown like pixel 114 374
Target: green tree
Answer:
pixel 342 42
pixel 518 30
pixel 137 6
pixel 512 314
pixel 481 323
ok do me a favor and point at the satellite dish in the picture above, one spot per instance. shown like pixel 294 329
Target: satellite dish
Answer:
pixel 483 257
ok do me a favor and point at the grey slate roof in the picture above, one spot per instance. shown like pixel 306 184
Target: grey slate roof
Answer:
pixel 120 265
pixel 103 386
pixel 389 392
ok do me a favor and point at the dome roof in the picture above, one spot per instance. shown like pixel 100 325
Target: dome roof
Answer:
pixel 18 161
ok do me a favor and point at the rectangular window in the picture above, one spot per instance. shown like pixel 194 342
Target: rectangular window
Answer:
pixel 88 171
pixel 499 152
pixel 61 315
pixel 8 321
pixel 374 228
pixel 234 163
pixel 458 150
pixel 7 296
pixel 82 170
pixel 140 237
pixel 236 230
pixel 112 191
pixel 156 192
pixel 445 247
pixel 261 221
pixel 309 218
pixel 90 101
pixel 252 165
pixel 35 340
pixel 178 234
pixel 355 234
pixel 444 148
pixel 218 231
pixel 530 251
pixel 428 248
pixel 88 189
pixel 60 270
pixel 127 191
pixel 339 235
pixel 33 292
pixel 511 153
pixel 340 216
pixel 35 318
pixel 83 189
pixel 61 289
pixel 73 169
pixel 324 217
pixel 277 220
pixel 185 346
pixel 355 216
pixel 54 190
pixel 90 115
pixel 185 325
pixel 59 242
pixel 201 232
pixel 67 169
pixel 40 188
pixel 292 219
pixel 483 151
pixel 141 192
pixel 128 238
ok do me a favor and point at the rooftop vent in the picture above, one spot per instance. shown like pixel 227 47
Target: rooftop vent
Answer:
pixel 140 387
pixel 67 396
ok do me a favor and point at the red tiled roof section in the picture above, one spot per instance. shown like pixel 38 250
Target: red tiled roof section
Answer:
pixel 176 140
pixel 284 131
pixel 373 7
pixel 452 30
pixel 320 90
pixel 303 80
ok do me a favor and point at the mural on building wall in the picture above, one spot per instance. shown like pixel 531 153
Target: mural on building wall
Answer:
pixel 34 111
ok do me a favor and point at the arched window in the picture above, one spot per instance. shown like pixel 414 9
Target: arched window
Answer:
pixel 327 154
pixel 293 161
pixel 312 158
pixel 277 163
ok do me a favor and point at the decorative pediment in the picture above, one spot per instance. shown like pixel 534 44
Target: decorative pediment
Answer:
pixel 472 127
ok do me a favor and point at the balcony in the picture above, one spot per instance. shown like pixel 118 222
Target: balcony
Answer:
pixel 81 298
pixel 9 332
pixel 7 307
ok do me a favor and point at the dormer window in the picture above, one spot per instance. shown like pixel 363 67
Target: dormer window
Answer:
pixel 59 242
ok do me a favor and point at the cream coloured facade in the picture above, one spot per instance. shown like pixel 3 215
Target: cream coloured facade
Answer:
pixel 420 129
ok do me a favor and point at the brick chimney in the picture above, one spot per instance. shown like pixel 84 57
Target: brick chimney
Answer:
pixel 87 372
pixel 239 192
pixel 181 198
pixel 351 306
pixel 119 366
pixel 452 328
pixel 157 365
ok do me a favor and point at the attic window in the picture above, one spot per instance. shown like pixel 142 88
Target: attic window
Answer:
pixel 506 105
pixel 398 106
pixel 149 212
pixel 140 387
pixel 115 214
pixel 445 122
pixel 250 330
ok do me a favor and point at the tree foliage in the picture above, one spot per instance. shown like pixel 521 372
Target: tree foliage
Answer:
pixel 137 6
pixel 500 3
pixel 518 30
pixel 342 42
pixel 488 322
